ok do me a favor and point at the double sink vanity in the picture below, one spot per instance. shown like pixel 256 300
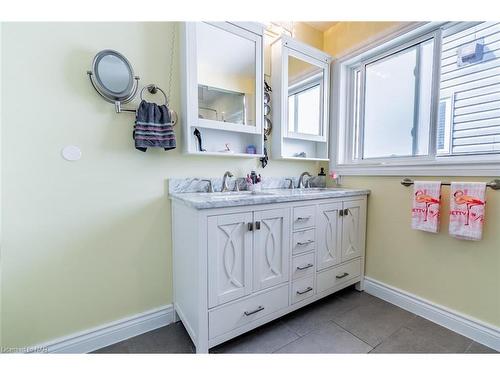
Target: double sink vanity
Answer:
pixel 243 258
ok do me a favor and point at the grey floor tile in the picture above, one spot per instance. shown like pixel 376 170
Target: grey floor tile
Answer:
pixel 308 319
pixel 373 320
pixel 312 316
pixel 407 341
pixel 330 338
pixel 441 336
pixel 265 339
pixel 477 348
pixel 118 348
pixel 170 339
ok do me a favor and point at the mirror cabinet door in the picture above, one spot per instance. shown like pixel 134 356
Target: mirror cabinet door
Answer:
pixel 306 92
pixel 226 72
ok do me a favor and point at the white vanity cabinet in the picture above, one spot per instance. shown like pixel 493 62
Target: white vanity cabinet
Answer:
pixel 236 268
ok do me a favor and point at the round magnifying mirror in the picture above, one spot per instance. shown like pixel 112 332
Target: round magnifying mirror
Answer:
pixel 113 76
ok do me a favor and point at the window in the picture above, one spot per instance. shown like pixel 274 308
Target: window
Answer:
pixel 397 94
pixel 427 97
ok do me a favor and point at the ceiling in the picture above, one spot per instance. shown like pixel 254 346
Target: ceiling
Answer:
pixel 320 26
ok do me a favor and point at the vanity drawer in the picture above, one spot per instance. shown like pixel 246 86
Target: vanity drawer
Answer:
pixel 304 217
pixel 302 289
pixel 338 275
pixel 303 265
pixel 303 241
pixel 239 313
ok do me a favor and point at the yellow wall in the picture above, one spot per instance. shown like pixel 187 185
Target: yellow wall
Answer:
pixel 460 275
pixel 86 242
pixel 345 36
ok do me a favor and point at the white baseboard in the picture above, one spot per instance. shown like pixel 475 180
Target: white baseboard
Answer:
pixel 481 332
pixel 111 333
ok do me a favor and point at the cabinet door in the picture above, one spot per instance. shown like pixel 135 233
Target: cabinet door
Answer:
pixel 328 235
pixel 229 257
pixel 271 247
pixel 353 229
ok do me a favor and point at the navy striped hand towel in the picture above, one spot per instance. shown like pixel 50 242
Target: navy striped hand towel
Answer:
pixel 152 127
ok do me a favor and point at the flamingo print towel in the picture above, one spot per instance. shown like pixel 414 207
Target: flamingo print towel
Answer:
pixel 426 205
pixel 467 210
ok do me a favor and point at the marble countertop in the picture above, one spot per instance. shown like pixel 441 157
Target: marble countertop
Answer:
pixel 265 196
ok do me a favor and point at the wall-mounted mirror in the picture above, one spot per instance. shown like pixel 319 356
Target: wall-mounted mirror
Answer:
pixel 222 83
pixel 226 73
pixel 305 93
pixel 300 75
pixel 113 77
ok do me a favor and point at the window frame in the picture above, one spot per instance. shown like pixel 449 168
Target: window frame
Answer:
pixel 344 135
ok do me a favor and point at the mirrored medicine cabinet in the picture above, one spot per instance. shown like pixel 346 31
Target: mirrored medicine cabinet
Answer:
pixel 300 81
pixel 222 87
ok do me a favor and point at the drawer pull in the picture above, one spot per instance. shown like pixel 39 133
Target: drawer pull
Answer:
pixel 308 265
pixel 248 313
pixel 305 243
pixel 342 276
pixel 300 218
pixel 306 290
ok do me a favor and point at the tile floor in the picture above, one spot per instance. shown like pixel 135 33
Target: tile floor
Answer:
pixel 346 322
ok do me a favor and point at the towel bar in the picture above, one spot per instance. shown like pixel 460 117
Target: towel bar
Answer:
pixel 494 184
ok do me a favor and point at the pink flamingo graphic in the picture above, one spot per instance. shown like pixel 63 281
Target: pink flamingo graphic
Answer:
pixel 421 197
pixel 461 198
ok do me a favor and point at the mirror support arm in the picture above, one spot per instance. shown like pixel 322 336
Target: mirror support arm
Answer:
pixel 119 109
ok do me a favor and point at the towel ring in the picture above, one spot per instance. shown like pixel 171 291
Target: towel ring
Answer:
pixel 153 89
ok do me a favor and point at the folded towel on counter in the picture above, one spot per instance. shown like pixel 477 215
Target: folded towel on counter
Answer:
pixel 467 201
pixel 153 127
pixel 426 206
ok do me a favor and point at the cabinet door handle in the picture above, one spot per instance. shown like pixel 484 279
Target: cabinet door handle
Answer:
pixel 306 290
pixel 300 218
pixel 248 313
pixel 250 227
pixel 305 243
pixel 308 265
pixel 346 212
pixel 341 212
pixel 342 276
pixel 257 225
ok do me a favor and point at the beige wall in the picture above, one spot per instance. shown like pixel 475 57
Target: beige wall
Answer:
pixel 460 275
pixel 343 37
pixel 86 242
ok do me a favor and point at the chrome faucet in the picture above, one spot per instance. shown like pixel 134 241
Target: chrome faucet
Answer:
pixel 301 185
pixel 210 186
pixel 224 181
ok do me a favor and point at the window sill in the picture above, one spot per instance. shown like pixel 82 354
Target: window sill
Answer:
pixel 423 169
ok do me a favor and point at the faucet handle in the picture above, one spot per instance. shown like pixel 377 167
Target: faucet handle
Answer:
pixel 290 186
pixel 210 186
